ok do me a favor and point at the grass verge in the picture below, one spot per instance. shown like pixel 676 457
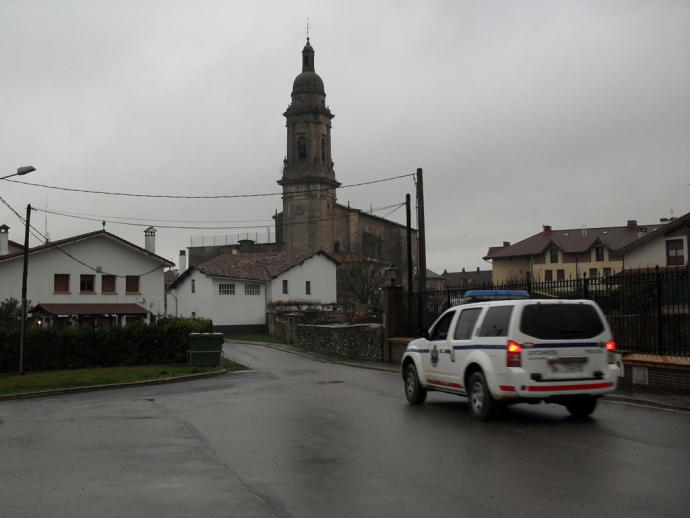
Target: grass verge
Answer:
pixel 254 337
pixel 54 380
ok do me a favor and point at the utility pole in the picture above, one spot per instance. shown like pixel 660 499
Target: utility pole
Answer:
pixel 410 279
pixel 422 243
pixel 22 325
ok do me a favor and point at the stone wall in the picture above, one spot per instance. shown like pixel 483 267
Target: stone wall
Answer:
pixel 358 341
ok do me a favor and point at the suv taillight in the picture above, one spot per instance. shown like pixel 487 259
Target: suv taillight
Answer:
pixel 513 354
pixel 611 348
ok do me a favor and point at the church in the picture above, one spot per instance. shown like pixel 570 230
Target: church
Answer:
pixel 312 219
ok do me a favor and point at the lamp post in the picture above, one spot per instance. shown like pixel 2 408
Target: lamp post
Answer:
pixel 21 171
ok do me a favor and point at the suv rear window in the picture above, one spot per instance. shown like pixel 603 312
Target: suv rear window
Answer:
pixel 560 321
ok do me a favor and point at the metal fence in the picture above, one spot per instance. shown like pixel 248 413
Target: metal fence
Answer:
pixel 649 310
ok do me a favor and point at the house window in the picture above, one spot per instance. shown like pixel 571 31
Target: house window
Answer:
pixel 108 284
pixel 61 283
pixel 599 253
pixel 252 289
pixel 193 286
pixel 607 272
pixel 285 286
pixel 226 289
pixel 674 252
pixel 553 255
pixel 86 283
pixel 307 287
pixel 132 284
pixel 593 273
pixel 560 275
pixel 548 275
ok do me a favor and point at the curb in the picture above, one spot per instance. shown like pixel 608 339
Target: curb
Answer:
pixel 93 388
pixel 613 398
pixel 628 400
pixel 306 354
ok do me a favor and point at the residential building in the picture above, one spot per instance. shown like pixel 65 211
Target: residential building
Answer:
pixel 565 254
pixel 233 290
pixel 665 247
pixel 467 279
pixel 96 278
pixel 434 281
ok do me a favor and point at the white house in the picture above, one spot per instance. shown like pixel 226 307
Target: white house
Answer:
pixel 234 289
pixel 97 277
pixel 667 246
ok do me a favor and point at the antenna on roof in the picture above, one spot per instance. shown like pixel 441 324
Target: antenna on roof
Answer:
pixel 45 225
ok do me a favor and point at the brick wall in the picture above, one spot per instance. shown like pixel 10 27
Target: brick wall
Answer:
pixel 663 372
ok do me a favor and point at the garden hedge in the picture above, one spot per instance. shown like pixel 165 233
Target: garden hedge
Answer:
pixel 85 346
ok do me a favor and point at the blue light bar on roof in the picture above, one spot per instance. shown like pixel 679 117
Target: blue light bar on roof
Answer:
pixel 476 295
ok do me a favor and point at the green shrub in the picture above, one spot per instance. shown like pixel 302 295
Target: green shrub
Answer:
pixel 86 346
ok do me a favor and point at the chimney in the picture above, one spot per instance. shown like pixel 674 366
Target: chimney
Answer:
pixel 632 224
pixel 150 240
pixel 477 269
pixel 463 270
pixel 4 240
pixel 246 246
pixel 506 243
pixel 182 263
pixel 547 229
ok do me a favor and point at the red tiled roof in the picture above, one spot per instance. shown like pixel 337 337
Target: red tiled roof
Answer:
pixel 82 237
pixel 662 230
pixel 92 309
pixel 464 279
pixel 571 241
pixel 252 267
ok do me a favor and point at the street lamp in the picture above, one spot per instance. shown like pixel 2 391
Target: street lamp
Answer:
pixel 21 171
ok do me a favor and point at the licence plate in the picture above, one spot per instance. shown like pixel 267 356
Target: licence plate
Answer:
pixel 567 364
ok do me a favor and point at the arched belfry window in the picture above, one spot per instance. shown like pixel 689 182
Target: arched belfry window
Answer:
pixel 302 147
pixel 323 150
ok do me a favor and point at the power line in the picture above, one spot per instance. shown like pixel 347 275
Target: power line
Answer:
pixel 150 221
pixel 38 235
pixel 102 219
pixel 201 197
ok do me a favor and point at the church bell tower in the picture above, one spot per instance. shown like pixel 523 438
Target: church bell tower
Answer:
pixel 308 179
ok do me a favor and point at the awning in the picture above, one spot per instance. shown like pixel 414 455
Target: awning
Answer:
pixel 91 309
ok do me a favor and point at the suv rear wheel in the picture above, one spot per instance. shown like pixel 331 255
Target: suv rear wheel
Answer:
pixel 481 402
pixel 581 406
pixel 414 392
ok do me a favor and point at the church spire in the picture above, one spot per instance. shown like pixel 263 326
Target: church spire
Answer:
pixel 308 57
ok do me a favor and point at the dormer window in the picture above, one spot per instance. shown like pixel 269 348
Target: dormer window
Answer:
pixel 599 253
pixel 553 255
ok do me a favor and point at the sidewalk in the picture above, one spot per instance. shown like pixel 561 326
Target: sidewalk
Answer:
pixel 637 396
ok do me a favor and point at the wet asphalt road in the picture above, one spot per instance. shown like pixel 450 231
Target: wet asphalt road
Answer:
pixel 304 438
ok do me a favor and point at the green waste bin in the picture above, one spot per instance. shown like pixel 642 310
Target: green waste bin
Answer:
pixel 205 349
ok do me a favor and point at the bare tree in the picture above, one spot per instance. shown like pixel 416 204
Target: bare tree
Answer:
pixel 361 281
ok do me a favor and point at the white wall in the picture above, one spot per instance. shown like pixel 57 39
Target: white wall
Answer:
pixel 652 253
pixel 112 256
pixel 318 269
pixel 224 310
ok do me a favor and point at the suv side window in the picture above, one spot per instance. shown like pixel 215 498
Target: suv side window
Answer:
pixel 440 330
pixel 466 322
pixel 496 321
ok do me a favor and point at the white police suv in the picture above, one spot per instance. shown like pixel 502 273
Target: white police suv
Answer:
pixel 513 349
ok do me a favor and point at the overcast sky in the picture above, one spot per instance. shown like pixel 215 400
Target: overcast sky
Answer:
pixel 567 113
